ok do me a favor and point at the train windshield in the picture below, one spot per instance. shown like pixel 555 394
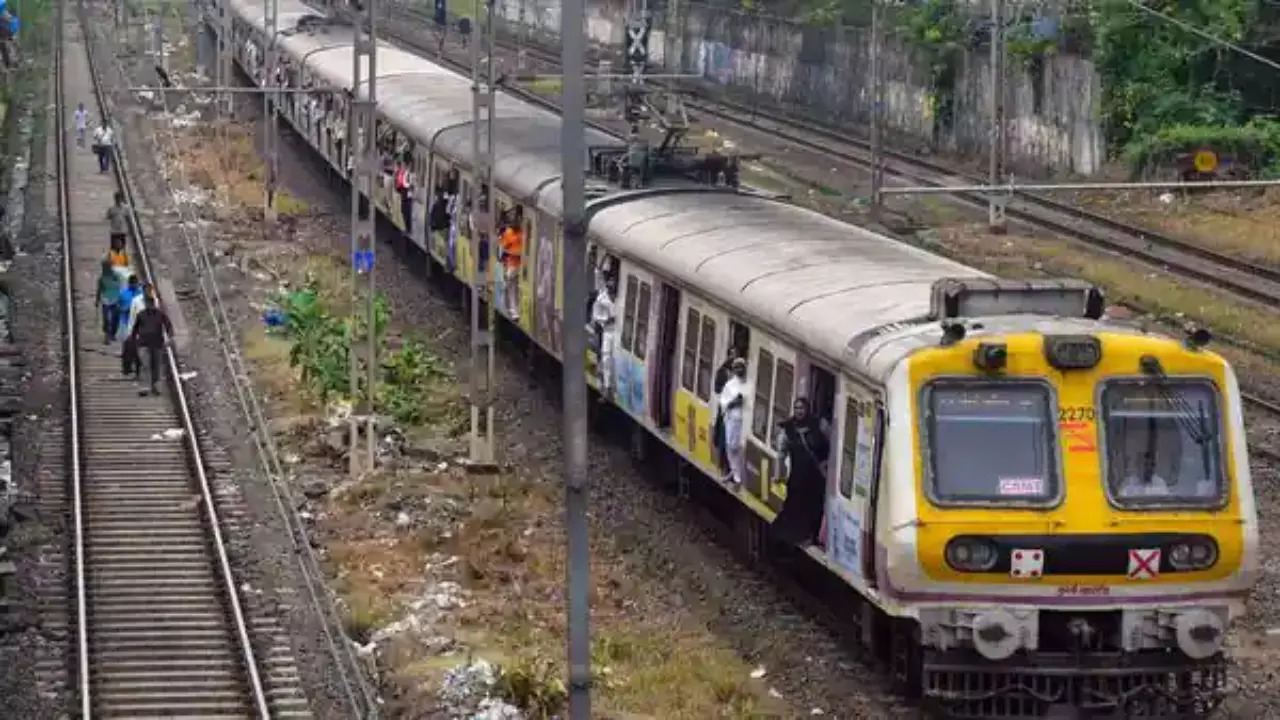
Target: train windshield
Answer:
pixel 990 443
pixel 1163 443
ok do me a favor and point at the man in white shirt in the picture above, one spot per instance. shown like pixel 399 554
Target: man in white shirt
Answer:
pixel 731 401
pixel 103 139
pixel 82 124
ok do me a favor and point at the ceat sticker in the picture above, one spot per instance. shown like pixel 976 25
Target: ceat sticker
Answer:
pixel 1144 564
pixel 1026 563
pixel 1021 486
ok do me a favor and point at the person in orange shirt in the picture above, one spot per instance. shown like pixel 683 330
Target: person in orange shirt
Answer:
pixel 512 248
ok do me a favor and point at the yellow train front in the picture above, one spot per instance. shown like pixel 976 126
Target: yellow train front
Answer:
pixel 1070 518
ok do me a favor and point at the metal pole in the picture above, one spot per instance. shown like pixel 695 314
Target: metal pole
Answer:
pixel 364 163
pixel 372 167
pixel 225 108
pixel 482 201
pixel 573 258
pixel 996 203
pixel 270 101
pixel 877 101
pixel 522 39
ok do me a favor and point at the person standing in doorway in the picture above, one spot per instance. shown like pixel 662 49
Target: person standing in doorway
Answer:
pixel 732 399
pixel 604 319
pixel 151 331
pixel 804 445
pixel 404 188
pixel 723 373
pixel 82 124
pixel 512 248
pixel 108 298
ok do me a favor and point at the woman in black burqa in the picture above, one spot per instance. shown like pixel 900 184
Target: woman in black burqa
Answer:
pixel 805 443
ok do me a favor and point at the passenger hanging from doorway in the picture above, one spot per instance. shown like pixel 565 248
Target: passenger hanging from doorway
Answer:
pixel 723 373
pixel 803 448
pixel 150 332
pixel 404 186
pixel 604 321
pixel 82 124
pixel 512 250
pixel 731 399
pixel 103 139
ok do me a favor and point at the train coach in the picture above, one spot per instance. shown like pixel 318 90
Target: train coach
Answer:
pixel 1045 512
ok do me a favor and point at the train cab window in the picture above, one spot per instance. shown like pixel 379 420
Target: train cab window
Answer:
pixel 1163 443
pixel 689 366
pixel 990 443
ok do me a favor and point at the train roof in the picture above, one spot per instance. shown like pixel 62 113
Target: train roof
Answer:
pixel 841 291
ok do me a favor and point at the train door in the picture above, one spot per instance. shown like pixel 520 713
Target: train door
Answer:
pixel 545 257
pixel 851 503
pixel 772 370
pixel 663 375
pixel 693 398
pixel 631 360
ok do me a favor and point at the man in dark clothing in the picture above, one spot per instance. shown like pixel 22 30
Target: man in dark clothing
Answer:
pixel 804 443
pixel 150 331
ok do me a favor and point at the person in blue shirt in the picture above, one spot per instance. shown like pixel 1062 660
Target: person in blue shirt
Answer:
pixel 129 364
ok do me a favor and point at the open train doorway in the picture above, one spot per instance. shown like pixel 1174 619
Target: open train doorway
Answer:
pixel 822 397
pixel 665 359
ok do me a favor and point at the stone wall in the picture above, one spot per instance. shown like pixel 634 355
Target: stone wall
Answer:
pixel 824 73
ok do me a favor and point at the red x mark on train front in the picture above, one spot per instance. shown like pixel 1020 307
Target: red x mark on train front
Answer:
pixel 1144 564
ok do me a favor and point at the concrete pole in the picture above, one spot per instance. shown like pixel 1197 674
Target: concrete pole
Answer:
pixel 877 110
pixel 364 164
pixel 270 104
pixel 574 251
pixel 225 108
pixel 482 328
pixel 995 169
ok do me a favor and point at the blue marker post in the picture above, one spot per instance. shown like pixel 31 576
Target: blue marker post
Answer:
pixel 362 256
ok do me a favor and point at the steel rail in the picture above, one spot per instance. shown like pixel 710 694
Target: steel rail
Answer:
pixel 73 376
pixel 181 404
pixel 359 695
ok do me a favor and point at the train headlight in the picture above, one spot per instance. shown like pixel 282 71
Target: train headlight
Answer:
pixel 1194 554
pixel 971 554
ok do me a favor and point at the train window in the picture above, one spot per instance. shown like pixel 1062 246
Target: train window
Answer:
pixel 764 396
pixel 859 447
pixel 629 314
pixel 642 320
pixel 706 351
pixel 783 385
pixel 990 442
pixel 693 321
pixel 1163 443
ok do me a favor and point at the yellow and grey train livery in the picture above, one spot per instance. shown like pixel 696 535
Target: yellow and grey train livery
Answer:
pixel 1041 512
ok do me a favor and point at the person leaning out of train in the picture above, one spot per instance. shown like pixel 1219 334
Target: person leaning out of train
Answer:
pixel 803 448
pixel 722 376
pixel 512 251
pixel 107 298
pixel 731 399
pixel 604 321
pixel 404 188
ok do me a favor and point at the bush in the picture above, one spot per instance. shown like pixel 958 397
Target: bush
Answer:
pixel 1256 145
pixel 321 353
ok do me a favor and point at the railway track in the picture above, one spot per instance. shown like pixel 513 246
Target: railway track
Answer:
pixel 160 629
pixel 1252 281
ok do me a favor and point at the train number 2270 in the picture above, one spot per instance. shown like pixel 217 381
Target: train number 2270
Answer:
pixel 1077 413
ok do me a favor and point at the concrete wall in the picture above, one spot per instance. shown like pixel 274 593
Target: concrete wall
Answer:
pixel 824 73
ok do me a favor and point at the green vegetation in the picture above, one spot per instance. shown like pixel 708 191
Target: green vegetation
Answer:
pixel 320 353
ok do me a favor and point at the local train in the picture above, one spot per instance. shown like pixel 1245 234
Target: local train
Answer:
pixel 1044 510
